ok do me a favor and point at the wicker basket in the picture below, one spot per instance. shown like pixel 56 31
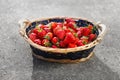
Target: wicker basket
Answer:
pixel 61 55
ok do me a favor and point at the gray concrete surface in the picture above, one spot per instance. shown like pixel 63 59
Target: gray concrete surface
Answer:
pixel 16 61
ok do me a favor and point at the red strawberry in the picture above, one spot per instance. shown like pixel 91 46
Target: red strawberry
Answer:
pixel 54 46
pixel 60 34
pixel 47 30
pixel 90 27
pixel 46 42
pixel 72 25
pixel 35 30
pixel 37 41
pixel 65 23
pixel 86 31
pixel 49 36
pixel 60 24
pixel 80 29
pixel 54 40
pixel 42 26
pixel 32 36
pixel 79 33
pixel 69 38
pixel 41 33
pixel 76 40
pixel 56 29
pixel 92 37
pixel 62 44
pixel 79 43
pixel 71 45
pixel 53 25
pixel 66 29
pixel 69 20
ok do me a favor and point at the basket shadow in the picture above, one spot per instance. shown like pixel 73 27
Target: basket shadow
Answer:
pixel 93 69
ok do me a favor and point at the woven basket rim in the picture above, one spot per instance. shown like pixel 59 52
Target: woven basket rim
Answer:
pixel 60 50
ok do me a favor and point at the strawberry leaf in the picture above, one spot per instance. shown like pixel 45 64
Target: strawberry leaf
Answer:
pixel 47 37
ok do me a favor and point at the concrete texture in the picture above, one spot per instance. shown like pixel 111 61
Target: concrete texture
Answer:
pixel 16 61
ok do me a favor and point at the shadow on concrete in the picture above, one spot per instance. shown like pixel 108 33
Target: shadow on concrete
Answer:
pixel 92 69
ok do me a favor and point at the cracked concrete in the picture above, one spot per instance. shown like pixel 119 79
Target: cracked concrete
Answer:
pixel 16 61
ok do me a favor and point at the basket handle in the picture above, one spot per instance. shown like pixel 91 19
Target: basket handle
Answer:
pixel 103 30
pixel 22 24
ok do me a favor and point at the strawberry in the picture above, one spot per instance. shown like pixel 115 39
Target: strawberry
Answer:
pixel 60 34
pixel 71 45
pixel 80 43
pixel 46 42
pixel 49 36
pixel 65 23
pixel 62 44
pixel 54 46
pixel 92 37
pixel 80 29
pixel 69 20
pixel 60 24
pixel 76 40
pixel 79 33
pixel 35 30
pixel 90 27
pixel 69 38
pixel 47 30
pixel 86 31
pixel 56 29
pixel 53 25
pixel 54 40
pixel 37 41
pixel 42 26
pixel 67 30
pixel 32 36
pixel 41 33
pixel 72 25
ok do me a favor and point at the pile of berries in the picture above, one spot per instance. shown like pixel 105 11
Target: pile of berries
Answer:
pixel 62 35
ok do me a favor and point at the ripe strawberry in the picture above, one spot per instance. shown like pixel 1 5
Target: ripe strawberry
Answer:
pixel 53 25
pixel 37 41
pixel 80 29
pixel 35 30
pixel 69 38
pixel 79 33
pixel 60 24
pixel 54 40
pixel 65 23
pixel 67 30
pixel 86 31
pixel 80 43
pixel 90 27
pixel 71 45
pixel 49 36
pixel 54 46
pixel 69 20
pixel 46 42
pixel 92 37
pixel 41 33
pixel 41 26
pixel 32 36
pixel 56 29
pixel 76 40
pixel 62 44
pixel 47 30
pixel 72 25
pixel 60 34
